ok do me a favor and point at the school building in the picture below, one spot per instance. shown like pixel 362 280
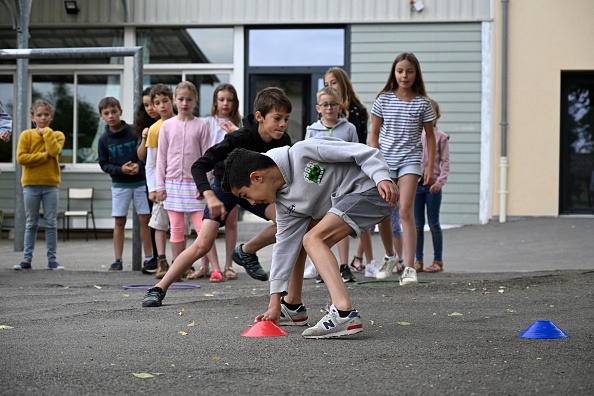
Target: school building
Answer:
pixel 514 80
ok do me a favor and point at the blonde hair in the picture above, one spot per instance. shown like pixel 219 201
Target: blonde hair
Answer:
pixel 189 86
pixel 42 103
pixel 329 91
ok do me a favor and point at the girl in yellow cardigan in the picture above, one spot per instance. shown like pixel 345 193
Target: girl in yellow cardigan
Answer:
pixel 37 153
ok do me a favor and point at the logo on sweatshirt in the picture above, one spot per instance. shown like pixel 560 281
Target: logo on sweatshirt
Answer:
pixel 313 172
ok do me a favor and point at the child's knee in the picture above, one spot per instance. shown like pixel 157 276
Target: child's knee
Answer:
pixel 120 222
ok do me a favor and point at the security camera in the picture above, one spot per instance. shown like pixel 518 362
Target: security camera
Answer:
pixel 418 6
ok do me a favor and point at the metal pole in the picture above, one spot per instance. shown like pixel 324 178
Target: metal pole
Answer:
pixel 137 253
pixel 503 165
pixel 22 122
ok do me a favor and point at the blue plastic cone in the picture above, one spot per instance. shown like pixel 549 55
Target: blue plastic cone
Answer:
pixel 543 329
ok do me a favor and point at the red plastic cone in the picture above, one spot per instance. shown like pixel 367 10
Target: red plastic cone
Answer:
pixel 543 329
pixel 264 329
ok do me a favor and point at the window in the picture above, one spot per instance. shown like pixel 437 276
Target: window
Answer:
pixel 78 104
pixel 577 143
pixel 204 45
pixel 296 47
pixel 6 97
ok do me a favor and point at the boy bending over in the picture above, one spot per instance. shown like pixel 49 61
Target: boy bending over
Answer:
pixel 324 190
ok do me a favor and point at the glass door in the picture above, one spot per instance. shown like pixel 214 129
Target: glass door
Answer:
pixel 577 143
pixel 298 88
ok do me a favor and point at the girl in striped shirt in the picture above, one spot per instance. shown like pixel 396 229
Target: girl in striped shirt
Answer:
pixel 399 114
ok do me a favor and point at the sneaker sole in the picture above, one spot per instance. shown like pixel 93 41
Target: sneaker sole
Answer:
pixel 149 271
pixel 356 329
pixel 151 304
pixel 404 282
pixel 55 269
pixel 290 322
pixel 382 276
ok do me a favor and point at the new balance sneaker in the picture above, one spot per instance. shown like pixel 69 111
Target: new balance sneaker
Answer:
pixel 371 269
pixel 22 266
pixel 297 317
pixel 310 271
pixel 249 261
pixel 319 279
pixel 54 265
pixel 386 267
pixel 116 266
pixel 409 276
pixel 153 297
pixel 346 274
pixel 332 325
pixel 149 266
pixel 162 267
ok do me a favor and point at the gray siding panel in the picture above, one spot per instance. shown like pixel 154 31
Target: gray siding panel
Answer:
pixel 450 57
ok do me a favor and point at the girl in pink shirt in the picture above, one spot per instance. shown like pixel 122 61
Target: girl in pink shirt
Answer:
pixel 430 197
pixel 182 140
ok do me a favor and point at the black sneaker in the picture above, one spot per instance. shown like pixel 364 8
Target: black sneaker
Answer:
pixel 116 266
pixel 346 274
pixel 249 261
pixel 319 279
pixel 153 297
pixel 150 266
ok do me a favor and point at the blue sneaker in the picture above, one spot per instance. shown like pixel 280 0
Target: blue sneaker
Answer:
pixel 153 297
pixel 22 266
pixel 249 261
pixel 54 265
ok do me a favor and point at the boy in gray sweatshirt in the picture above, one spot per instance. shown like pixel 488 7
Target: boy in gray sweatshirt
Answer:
pixel 324 189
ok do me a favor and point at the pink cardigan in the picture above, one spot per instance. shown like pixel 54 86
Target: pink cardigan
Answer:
pixel 442 156
pixel 181 143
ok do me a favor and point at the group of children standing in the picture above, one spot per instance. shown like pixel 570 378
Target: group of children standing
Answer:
pixel 317 193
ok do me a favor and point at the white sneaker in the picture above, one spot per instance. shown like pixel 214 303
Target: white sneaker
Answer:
pixel 386 268
pixel 332 325
pixel 371 269
pixel 310 271
pixel 409 276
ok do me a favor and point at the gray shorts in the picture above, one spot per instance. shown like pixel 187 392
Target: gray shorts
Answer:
pixel 121 198
pixel 362 211
pixel 160 219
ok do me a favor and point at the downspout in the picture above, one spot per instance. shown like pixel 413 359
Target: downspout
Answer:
pixel 503 159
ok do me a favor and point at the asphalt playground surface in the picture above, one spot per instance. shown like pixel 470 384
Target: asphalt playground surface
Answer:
pixel 79 332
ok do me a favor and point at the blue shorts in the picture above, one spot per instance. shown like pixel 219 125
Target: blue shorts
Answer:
pixel 362 211
pixel 121 198
pixel 406 170
pixel 230 201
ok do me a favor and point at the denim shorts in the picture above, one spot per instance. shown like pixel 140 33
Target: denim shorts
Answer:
pixel 406 170
pixel 160 219
pixel 362 211
pixel 121 198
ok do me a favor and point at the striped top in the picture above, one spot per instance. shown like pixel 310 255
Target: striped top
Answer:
pixel 400 133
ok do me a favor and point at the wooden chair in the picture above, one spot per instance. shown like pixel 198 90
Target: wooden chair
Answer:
pixel 82 195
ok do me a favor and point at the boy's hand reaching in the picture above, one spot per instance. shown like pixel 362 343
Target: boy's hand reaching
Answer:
pixel 272 315
pixel 228 126
pixel 388 191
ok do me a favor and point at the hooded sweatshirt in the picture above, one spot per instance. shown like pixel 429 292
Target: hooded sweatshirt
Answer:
pixel 343 130
pixel 114 150
pixel 318 172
